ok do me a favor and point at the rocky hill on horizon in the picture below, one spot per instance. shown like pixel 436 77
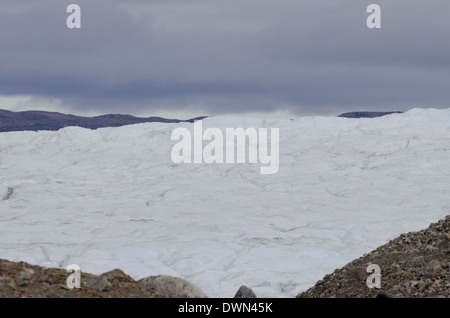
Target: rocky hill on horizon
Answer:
pixel 366 114
pixel 43 120
pixel 35 120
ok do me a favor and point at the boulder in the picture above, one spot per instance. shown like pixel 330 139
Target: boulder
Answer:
pixel 245 292
pixel 172 286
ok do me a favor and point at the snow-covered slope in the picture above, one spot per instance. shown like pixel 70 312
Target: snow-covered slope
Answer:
pixel 113 198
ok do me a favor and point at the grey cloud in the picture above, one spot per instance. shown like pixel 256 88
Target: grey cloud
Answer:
pixel 228 56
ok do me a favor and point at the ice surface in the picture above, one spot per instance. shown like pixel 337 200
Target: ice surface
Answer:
pixel 112 198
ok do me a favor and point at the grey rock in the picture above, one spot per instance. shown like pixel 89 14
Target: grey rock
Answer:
pixel 26 274
pixel 430 249
pixel 418 261
pixel 383 294
pixel 424 284
pixel 172 286
pixel 98 283
pixel 444 244
pixel 434 265
pixel 7 282
pixel 118 276
pixel 245 292
pixel 408 286
pixel 51 281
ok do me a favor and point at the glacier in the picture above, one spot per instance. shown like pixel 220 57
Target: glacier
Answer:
pixel 112 198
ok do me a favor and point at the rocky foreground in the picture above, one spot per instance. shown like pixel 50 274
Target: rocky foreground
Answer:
pixel 19 280
pixel 416 264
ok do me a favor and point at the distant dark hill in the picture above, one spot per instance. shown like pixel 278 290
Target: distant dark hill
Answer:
pixel 41 120
pixel 367 114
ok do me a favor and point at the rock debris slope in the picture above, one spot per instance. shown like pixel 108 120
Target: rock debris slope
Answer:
pixel 415 264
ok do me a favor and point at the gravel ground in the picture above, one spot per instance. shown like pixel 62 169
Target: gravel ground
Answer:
pixel 413 265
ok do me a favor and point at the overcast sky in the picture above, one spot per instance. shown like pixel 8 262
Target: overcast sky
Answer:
pixel 183 58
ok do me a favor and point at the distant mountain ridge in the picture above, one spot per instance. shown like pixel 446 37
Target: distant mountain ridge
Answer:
pixel 365 114
pixel 42 120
